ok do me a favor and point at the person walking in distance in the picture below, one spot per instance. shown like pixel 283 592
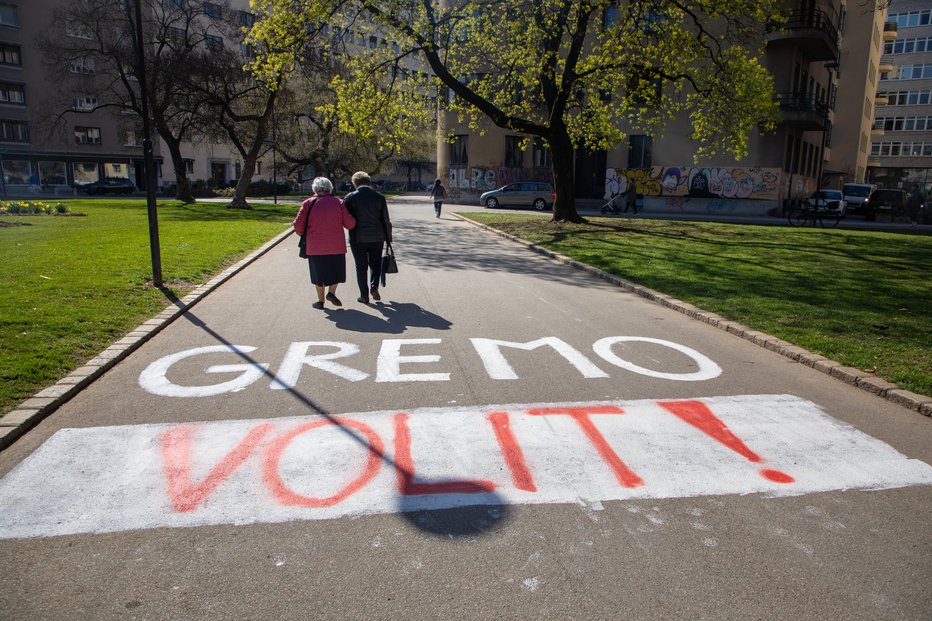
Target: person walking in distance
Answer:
pixel 373 229
pixel 439 194
pixel 323 218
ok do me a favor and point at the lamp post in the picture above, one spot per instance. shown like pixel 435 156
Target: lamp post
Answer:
pixel 148 159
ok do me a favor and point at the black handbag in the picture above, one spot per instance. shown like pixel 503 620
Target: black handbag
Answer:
pixel 302 240
pixel 389 265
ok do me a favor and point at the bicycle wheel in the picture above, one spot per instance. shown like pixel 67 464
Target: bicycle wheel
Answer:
pixel 829 218
pixel 798 216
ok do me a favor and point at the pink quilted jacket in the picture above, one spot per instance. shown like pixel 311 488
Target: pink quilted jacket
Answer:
pixel 325 230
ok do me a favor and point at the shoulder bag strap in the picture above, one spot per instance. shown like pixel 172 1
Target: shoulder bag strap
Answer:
pixel 307 220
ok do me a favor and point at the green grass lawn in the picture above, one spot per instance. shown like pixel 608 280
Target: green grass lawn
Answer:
pixel 861 298
pixel 72 285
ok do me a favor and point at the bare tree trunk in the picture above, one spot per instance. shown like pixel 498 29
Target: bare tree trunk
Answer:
pixel 245 179
pixel 183 184
pixel 564 177
pixel 252 155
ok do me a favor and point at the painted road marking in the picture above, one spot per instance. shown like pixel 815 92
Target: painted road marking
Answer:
pixel 108 479
pixel 391 361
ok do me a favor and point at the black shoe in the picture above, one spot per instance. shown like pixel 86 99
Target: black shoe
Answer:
pixel 334 300
pixel 375 294
pixel 363 300
pixel 318 305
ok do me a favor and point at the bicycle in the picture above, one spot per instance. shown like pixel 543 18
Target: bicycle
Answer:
pixel 820 212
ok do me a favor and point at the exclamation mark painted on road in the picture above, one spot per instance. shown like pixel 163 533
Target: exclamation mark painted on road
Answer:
pixel 701 417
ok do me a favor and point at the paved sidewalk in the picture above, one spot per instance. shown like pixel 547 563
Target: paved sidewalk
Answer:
pixel 503 436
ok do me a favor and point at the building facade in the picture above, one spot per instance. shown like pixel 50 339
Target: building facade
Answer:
pixel 46 149
pixel 825 62
pixel 901 151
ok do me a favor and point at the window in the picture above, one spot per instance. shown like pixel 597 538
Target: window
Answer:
pixel 84 65
pixel 173 5
pixel 246 18
pixel 16 171
pixel 212 10
pixel 542 156
pixel 87 103
pixel 10 55
pixel 189 166
pixel 176 34
pixel 131 138
pixel 85 172
pixel 458 151
pixel 14 131
pixel 78 30
pixel 609 16
pixel 8 15
pixel 52 173
pixel 87 135
pixel 114 169
pixel 911 19
pixel 514 155
pixel 12 93
pixel 214 42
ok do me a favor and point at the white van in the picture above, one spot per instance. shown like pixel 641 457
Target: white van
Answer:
pixel 855 195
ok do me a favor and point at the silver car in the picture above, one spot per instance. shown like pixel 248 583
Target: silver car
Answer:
pixel 536 194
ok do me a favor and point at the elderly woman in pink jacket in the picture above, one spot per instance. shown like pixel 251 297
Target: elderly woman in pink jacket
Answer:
pixel 324 217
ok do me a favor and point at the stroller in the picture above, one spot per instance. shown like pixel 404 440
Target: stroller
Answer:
pixel 614 205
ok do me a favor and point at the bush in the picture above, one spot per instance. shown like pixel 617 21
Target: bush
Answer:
pixel 32 208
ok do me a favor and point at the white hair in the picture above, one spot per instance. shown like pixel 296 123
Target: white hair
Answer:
pixel 322 185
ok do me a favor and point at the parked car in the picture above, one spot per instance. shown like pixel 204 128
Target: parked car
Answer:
pixel 856 195
pixel 832 200
pixel 536 194
pixel 109 185
pixel 885 202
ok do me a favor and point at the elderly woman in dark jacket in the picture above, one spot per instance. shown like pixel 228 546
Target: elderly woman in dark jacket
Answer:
pixel 373 229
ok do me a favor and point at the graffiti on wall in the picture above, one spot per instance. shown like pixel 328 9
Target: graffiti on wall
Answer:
pixel 484 178
pixel 705 182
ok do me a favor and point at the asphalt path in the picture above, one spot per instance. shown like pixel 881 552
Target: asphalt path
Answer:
pixel 409 459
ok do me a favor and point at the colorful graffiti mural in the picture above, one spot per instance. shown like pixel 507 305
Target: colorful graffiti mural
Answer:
pixel 705 182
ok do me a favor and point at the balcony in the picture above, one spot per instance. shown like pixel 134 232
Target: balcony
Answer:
pixel 877 132
pixel 881 99
pixel 886 64
pixel 889 31
pixel 803 110
pixel 811 31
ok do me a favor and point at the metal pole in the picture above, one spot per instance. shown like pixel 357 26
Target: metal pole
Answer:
pixel 2 175
pixel 148 159
pixel 274 167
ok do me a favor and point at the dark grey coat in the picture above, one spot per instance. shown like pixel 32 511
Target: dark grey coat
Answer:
pixel 370 210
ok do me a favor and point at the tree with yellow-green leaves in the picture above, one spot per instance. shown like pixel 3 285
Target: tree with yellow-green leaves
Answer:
pixel 575 73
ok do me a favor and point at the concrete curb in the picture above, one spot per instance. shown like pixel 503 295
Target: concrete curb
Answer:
pixel 28 414
pixel 855 377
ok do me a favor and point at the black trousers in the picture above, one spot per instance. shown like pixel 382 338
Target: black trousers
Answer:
pixel 368 258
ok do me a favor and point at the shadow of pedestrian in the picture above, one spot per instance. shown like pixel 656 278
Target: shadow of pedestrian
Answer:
pixel 396 318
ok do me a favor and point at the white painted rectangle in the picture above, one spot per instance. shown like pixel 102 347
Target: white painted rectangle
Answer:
pixel 147 476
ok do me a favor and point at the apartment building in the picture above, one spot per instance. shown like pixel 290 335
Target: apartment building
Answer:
pixel 825 61
pixel 901 150
pixel 33 154
pixel 43 151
